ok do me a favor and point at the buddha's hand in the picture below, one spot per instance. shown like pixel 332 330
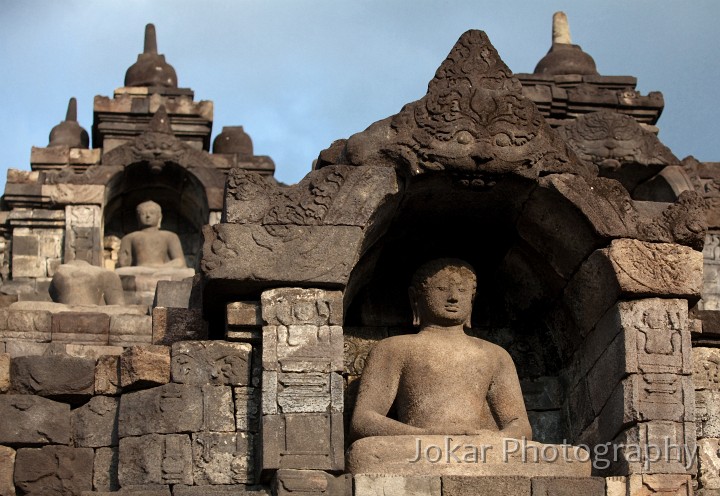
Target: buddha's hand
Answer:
pixel 458 429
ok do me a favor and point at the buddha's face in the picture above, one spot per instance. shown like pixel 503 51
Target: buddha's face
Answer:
pixel 446 297
pixel 149 216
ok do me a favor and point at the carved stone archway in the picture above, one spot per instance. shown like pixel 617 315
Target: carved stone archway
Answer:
pixel 157 166
pixel 602 281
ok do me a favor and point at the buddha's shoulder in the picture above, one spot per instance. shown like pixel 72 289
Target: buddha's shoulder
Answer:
pixel 168 234
pixel 401 341
pixel 489 347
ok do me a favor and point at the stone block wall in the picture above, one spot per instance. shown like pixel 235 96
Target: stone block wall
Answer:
pixel 197 417
pixel 302 386
pixel 632 395
pixel 31 332
pixel 706 380
pixel 82 419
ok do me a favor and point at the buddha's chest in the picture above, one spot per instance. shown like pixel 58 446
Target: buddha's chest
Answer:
pixel 448 366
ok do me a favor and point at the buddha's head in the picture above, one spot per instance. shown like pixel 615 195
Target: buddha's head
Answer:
pixel 149 214
pixel 442 293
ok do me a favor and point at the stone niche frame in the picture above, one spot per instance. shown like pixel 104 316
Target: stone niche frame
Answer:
pixel 158 166
pixel 178 192
pixel 568 262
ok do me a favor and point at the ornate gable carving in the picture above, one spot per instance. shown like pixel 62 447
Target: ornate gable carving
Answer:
pixel 611 140
pixel 157 146
pixel 474 120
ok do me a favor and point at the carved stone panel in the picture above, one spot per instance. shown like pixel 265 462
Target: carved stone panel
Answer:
pixel 340 195
pixel 211 362
pixel 474 120
pixel 303 441
pixel 635 336
pixel 657 447
pixel 312 483
pixel 222 457
pixel 706 378
pixel 663 397
pixel 650 484
pixel 298 306
pixel 709 463
pixel 706 368
pixel 711 273
pixel 175 408
pixel 645 398
pixel 655 335
pixel 662 335
pixel 707 413
pixel 304 392
pixel 155 459
pixel 303 348
pixel 250 252
pixel 357 345
pixel 165 409
pixel 656 268
pixel 82 234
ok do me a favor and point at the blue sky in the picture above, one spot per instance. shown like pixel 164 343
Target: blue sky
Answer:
pixel 298 74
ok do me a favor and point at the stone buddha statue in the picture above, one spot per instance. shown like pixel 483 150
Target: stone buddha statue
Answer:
pixel 78 283
pixel 150 255
pixel 441 380
pixel 151 246
pixel 450 391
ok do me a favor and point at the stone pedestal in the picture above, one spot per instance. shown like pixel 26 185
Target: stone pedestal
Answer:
pixel 140 283
pixel 479 455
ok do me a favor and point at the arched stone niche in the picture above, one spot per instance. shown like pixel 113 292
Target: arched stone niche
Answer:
pixel 548 271
pixel 179 193
pixel 587 288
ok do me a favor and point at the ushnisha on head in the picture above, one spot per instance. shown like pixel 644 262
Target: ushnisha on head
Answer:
pixel 149 214
pixel 442 292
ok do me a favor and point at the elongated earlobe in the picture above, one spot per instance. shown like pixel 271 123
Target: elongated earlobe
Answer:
pixel 414 306
pixel 468 322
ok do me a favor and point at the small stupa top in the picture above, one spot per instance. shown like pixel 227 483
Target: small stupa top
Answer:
pixel 564 57
pixel 68 132
pixel 151 68
pixel 233 140
pixel 160 122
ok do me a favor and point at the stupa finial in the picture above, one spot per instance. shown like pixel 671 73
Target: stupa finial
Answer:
pixel 150 39
pixel 71 114
pixel 561 29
